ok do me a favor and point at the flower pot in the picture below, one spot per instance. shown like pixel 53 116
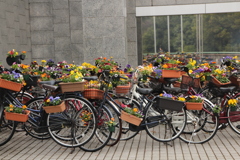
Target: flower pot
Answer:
pixel 194 106
pixel 177 84
pixel 10 85
pixel 235 80
pixel 16 116
pixel 111 128
pixel 53 109
pixel 170 104
pixel 72 86
pixel 93 94
pixel 171 73
pixel 11 60
pixel 31 80
pixel 218 83
pixel 130 118
pixel 122 89
pixel 22 56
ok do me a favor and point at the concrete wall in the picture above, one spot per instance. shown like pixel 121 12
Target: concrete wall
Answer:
pixel 14 28
pixel 79 30
pixel 75 30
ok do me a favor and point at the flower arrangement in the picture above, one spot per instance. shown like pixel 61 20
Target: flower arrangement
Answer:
pixel 133 111
pixel 92 85
pixel 232 102
pixel 73 76
pixel 146 70
pixel 86 116
pixel 51 101
pixel 111 123
pixel 16 109
pixel 50 62
pixel 216 109
pixel 12 76
pixel 105 64
pixel 128 69
pixel 194 98
pixel 220 75
pixel 12 53
pixel 168 96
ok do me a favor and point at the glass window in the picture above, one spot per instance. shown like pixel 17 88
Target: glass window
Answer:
pixel 161 33
pixel 189 33
pixel 147 35
pixel 175 33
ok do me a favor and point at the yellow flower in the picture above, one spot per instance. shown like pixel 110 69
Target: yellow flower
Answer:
pixel 135 110
pixel 11 109
pixel 43 61
pixel 11 106
pixel 112 119
pixel 24 106
pixel 48 100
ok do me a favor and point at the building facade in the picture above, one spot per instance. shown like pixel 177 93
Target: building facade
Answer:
pixel 81 30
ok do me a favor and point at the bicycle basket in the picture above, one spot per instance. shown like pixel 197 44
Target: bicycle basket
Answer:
pixel 190 82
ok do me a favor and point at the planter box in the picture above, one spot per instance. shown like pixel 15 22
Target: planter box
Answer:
pixel 218 83
pixel 122 89
pixel 171 73
pixel 130 118
pixel 54 109
pixel 72 86
pixel 173 105
pixel 194 106
pixel 235 80
pixel 10 85
pixel 16 116
pixel 93 94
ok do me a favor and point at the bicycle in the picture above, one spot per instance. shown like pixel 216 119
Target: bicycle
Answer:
pixel 201 125
pixel 220 96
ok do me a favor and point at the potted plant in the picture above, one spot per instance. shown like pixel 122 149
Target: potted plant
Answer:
pixel 219 78
pixel 11 80
pixel 170 69
pixel 194 102
pixel 16 113
pixel 111 125
pixel 72 82
pixel 232 103
pixel 131 115
pixel 170 102
pixel 92 90
pixel 13 56
pixel 52 105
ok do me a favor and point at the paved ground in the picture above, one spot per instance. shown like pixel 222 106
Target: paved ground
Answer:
pixel 224 146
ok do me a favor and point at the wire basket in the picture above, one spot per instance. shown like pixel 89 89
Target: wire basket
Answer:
pixel 188 81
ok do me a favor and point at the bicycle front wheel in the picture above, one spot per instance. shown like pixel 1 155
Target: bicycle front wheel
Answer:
pixel 201 125
pixel 7 128
pixel 75 126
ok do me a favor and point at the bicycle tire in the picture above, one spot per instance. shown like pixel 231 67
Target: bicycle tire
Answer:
pixel 6 132
pixel 102 134
pixel 127 133
pixel 164 125
pixel 116 135
pixel 201 126
pixel 32 127
pixel 68 128
pixel 233 114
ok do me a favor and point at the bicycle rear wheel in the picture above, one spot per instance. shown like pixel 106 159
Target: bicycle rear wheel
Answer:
pixel 164 125
pixel 201 125
pixel 233 114
pixel 102 134
pixel 7 128
pixel 75 126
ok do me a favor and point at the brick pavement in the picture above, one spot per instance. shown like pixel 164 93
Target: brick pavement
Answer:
pixel 224 146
